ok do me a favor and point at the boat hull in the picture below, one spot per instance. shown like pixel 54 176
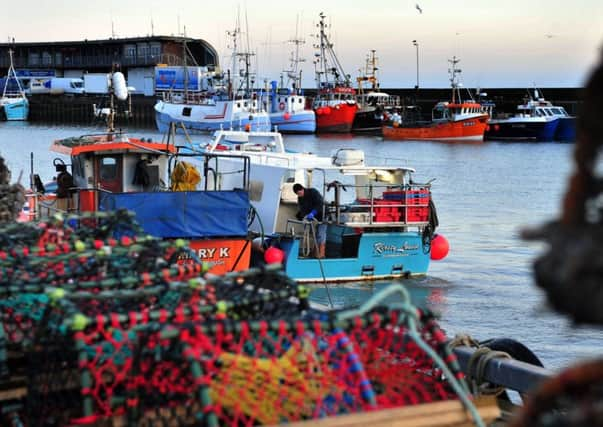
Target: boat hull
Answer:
pixel 521 130
pixel 367 121
pixel 335 119
pixel 566 129
pixel 208 118
pixel 462 130
pixel 15 110
pixel 384 255
pixel 301 122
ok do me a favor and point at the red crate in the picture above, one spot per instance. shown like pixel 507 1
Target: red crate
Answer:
pixel 417 214
pixel 417 197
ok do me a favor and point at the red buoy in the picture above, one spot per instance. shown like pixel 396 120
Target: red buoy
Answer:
pixel 287 116
pixel 439 247
pixel 274 255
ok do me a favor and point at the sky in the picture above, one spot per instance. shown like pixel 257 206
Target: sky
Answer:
pixel 504 43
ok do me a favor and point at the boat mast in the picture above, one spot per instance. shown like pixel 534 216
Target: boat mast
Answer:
pixel 325 58
pixel 238 57
pixel 454 84
pixel 13 73
pixel 369 74
pixel 294 74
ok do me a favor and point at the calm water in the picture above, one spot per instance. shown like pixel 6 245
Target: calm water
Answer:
pixel 484 194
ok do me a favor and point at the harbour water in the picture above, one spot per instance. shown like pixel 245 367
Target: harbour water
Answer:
pixel 485 195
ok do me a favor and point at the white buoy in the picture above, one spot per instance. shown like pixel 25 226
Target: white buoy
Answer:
pixel 119 86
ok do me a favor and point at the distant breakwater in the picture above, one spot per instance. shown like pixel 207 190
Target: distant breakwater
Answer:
pixel 78 109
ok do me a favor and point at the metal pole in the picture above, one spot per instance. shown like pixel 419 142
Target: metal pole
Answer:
pixel 416 44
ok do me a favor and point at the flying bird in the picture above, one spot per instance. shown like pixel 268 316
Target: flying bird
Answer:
pixel 418 8
pixel 549 36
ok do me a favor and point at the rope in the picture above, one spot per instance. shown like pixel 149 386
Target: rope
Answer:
pixel 476 367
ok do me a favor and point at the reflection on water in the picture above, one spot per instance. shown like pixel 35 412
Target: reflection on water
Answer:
pixel 423 294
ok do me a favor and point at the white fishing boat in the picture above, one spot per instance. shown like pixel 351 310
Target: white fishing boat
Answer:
pixel 13 103
pixel 230 105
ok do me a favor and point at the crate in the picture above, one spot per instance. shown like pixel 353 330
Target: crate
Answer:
pixel 409 197
pixel 386 210
pixel 417 214
pixel 417 197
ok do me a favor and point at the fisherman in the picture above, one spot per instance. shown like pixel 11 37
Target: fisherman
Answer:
pixel 65 187
pixel 310 203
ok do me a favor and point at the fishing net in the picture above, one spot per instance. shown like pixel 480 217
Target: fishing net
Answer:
pixel 100 326
pixel 225 363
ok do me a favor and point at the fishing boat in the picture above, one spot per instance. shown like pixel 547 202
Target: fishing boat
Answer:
pixel 111 171
pixel 335 103
pixel 227 103
pixel 380 223
pixel 287 105
pixel 536 119
pixel 373 105
pixel 457 120
pixel 13 103
pixel 288 110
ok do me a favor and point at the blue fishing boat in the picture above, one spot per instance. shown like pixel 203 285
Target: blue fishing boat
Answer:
pixel 379 222
pixel 288 110
pixel 13 103
pixel 536 119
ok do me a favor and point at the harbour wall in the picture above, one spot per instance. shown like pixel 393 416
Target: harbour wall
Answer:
pixel 78 109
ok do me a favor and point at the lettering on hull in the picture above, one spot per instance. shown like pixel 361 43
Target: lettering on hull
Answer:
pixel 223 255
pixel 388 250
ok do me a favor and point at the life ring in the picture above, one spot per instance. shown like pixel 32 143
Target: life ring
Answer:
pixel 281 106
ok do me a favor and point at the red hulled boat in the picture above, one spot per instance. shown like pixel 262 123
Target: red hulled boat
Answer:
pixel 457 120
pixel 335 102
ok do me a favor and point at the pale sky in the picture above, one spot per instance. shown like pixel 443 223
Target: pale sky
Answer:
pixel 504 43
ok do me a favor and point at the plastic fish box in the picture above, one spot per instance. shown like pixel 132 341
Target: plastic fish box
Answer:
pixel 417 197
pixel 417 214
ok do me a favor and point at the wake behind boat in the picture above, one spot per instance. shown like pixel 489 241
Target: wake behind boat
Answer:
pixel 456 120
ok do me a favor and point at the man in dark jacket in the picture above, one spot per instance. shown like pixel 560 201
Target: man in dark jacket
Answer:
pixel 310 203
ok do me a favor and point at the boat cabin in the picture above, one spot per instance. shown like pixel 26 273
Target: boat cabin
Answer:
pixel 329 95
pixel 445 111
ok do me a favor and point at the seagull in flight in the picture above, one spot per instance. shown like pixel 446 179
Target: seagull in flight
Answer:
pixel 418 8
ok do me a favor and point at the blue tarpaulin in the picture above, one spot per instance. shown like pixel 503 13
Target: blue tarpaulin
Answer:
pixel 184 214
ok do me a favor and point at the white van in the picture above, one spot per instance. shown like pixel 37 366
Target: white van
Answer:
pixel 60 85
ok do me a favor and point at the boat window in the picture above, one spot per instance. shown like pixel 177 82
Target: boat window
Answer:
pixel 557 111
pixel 245 104
pixel 438 113
pixel 238 105
pixel 108 168
pixel 186 111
